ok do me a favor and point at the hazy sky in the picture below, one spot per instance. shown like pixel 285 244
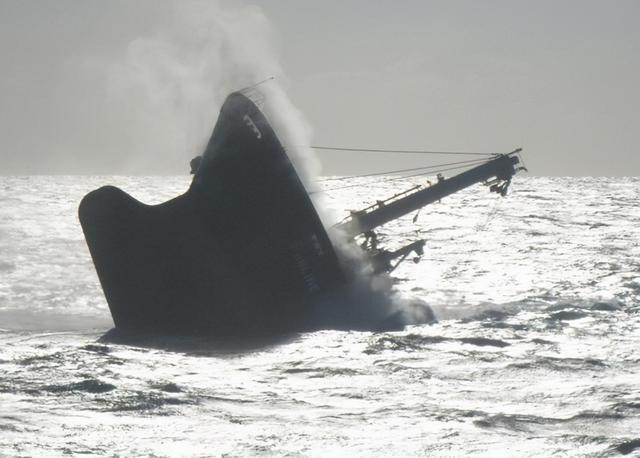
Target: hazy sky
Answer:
pixel 102 87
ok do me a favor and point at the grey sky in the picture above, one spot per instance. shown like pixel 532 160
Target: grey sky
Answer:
pixel 124 87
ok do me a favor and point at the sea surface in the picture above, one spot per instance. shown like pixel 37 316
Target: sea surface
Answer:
pixel 536 351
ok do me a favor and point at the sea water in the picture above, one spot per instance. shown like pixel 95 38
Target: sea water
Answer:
pixel 536 351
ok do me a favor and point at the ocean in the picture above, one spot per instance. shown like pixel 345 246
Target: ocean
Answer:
pixel 536 351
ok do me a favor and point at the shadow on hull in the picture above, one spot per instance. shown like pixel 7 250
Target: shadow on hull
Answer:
pixel 242 252
pixel 198 345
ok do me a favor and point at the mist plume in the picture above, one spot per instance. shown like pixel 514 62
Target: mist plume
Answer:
pixel 173 84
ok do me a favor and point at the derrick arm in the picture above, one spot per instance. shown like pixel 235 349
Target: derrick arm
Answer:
pixel 496 172
pixel 381 259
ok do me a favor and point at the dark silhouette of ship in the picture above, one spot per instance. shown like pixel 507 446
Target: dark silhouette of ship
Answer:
pixel 243 251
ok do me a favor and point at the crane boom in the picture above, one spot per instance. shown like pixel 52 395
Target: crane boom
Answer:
pixel 498 171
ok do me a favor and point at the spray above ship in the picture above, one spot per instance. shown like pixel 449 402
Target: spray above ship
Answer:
pixel 243 250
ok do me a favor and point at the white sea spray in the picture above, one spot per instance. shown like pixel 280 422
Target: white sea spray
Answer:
pixel 168 85
pixel 172 83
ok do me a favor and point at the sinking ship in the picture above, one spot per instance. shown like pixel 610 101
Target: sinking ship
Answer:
pixel 243 250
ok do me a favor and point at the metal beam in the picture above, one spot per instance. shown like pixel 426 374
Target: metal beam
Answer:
pixel 501 168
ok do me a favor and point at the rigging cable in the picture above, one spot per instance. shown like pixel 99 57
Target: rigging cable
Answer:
pixel 480 227
pixel 413 169
pixel 399 151
pixel 434 171
pixel 422 173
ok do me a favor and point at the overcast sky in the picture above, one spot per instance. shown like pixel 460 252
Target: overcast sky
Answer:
pixel 103 87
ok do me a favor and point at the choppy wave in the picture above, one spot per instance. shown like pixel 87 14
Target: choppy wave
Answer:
pixel 534 353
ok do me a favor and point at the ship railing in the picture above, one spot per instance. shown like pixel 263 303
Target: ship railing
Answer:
pixel 382 203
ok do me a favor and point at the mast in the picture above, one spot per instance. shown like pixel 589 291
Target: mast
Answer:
pixel 495 172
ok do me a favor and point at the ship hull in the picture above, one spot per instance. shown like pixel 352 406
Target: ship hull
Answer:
pixel 242 251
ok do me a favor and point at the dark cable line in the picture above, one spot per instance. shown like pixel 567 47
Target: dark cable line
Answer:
pixel 389 172
pixel 446 169
pixel 422 174
pixel 256 84
pixel 399 151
